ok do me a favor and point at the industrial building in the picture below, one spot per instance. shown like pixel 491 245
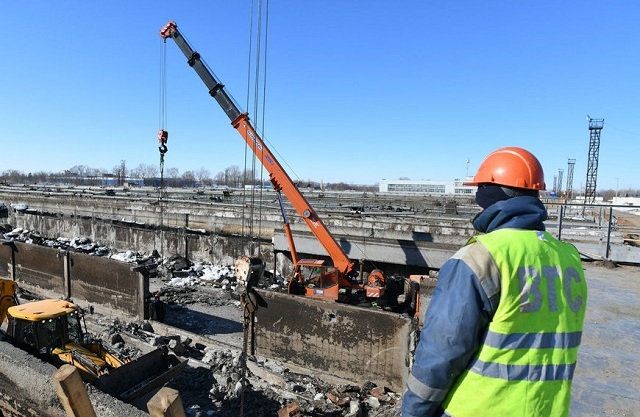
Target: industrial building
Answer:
pixel 427 187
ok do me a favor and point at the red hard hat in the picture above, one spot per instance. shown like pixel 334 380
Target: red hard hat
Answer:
pixel 511 167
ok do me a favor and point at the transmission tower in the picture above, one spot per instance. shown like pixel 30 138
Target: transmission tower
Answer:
pixel 572 163
pixel 560 172
pixel 595 127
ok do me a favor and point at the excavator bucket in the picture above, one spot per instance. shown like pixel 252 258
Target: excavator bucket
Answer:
pixel 141 376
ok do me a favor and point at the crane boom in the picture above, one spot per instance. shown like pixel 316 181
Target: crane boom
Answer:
pixel 278 176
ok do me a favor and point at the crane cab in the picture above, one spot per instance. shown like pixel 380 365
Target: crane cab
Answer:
pixel 313 279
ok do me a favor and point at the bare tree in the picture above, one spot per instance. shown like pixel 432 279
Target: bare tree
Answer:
pixel 150 171
pixel 79 170
pixel 249 177
pixel 172 172
pixel 40 176
pixel 144 171
pixel 190 177
pixel 94 172
pixel 120 171
pixel 136 172
pixel 204 176
pixel 219 178
pixel 233 176
pixel 13 176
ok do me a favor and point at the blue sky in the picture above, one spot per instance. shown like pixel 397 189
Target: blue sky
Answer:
pixel 356 91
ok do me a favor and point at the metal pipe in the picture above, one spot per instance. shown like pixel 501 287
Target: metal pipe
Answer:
pixel 607 249
pixel 560 216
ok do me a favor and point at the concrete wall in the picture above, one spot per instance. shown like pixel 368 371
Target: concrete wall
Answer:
pixel 122 235
pixel 418 256
pixel 108 282
pixel 82 214
pixel 35 266
pixel 54 273
pixel 339 339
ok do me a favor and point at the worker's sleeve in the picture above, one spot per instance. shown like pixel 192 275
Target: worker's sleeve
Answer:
pixel 454 325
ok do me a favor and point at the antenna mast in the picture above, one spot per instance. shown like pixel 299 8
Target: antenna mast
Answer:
pixel 595 127
pixel 571 164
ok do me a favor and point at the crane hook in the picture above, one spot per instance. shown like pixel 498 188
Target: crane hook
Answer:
pixel 163 137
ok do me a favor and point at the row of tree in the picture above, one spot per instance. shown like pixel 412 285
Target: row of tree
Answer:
pixel 232 177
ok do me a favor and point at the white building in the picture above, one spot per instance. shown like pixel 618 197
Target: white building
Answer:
pixel 428 187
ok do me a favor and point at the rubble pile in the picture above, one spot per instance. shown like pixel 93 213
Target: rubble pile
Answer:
pixel 176 270
pixel 212 384
pixel 76 244
pixel 180 272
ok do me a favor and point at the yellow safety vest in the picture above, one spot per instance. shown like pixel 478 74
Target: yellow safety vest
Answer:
pixel 525 363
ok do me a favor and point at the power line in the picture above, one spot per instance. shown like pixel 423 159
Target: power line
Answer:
pixel 622 130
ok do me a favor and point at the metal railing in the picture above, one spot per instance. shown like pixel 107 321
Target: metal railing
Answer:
pixel 612 231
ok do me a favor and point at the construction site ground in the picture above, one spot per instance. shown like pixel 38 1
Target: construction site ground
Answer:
pixel 607 378
pixel 207 321
pixel 606 382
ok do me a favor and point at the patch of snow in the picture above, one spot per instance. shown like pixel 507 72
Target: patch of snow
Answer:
pixel 184 282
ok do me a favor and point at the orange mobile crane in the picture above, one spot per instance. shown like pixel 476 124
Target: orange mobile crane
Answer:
pixel 311 277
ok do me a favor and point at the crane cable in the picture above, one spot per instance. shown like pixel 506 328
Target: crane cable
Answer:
pixel 249 175
pixel 263 112
pixel 249 316
pixel 163 134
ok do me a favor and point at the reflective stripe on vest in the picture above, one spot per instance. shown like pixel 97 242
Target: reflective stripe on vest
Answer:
pixel 523 372
pixel 533 340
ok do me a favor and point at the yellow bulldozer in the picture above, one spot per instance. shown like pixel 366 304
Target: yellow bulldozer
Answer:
pixel 54 330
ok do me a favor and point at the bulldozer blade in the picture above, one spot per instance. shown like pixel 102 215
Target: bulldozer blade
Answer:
pixel 142 375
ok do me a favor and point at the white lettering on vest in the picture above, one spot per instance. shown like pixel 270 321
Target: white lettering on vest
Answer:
pixel 574 303
pixel 531 296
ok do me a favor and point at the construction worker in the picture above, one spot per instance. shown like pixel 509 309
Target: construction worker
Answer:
pixel 501 334
pixel 156 308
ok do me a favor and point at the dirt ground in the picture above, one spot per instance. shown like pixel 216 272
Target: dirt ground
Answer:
pixel 627 219
pixel 607 378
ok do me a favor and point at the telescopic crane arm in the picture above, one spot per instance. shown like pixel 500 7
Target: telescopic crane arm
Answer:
pixel 278 176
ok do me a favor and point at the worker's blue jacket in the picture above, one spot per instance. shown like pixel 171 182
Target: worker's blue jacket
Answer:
pixel 459 313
